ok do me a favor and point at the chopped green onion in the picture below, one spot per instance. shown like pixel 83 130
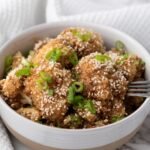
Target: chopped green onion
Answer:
pixel 116 118
pixel 141 62
pixel 123 58
pixel 43 85
pixel 75 119
pixel 78 87
pixel 26 63
pixel 85 37
pixel 54 54
pixel 43 82
pixel 50 92
pixel 39 83
pixel 75 75
pixel 119 45
pixel 35 65
pixel 45 76
pixel 8 64
pixel 78 99
pixel 23 72
pixel 71 94
pixel 73 58
pixel 102 58
pixel 88 104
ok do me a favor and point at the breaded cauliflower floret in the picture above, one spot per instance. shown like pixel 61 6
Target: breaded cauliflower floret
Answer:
pixel 12 85
pixel 101 79
pixel 130 65
pixel 53 106
pixel 56 51
pixel 94 76
pixel 83 41
pixel 30 113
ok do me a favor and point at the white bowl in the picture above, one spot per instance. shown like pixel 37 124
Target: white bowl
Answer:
pixel 43 137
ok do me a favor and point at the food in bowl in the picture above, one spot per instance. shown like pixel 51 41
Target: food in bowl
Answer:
pixel 72 81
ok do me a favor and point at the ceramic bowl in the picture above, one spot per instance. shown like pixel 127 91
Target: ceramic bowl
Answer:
pixel 43 137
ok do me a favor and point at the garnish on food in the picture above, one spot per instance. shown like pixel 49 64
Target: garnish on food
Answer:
pixel 8 64
pixel 54 54
pixel 119 45
pixel 102 58
pixel 82 36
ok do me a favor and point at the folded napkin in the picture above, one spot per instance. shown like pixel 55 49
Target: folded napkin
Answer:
pixel 129 16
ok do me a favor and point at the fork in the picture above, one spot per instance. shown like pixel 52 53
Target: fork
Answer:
pixel 139 88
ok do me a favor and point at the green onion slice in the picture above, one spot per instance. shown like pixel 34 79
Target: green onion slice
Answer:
pixel 78 99
pixel 102 58
pixel 54 55
pixel 116 118
pixel 43 82
pixel 88 104
pixel 78 87
pixel 50 92
pixel 23 72
pixel 71 94
pixel 119 45
pixel 123 58
pixel 85 37
pixel 75 119
pixel 45 76
pixel 8 64
pixel 141 62
pixel 73 58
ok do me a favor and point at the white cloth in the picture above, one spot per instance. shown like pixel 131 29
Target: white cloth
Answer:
pixel 132 17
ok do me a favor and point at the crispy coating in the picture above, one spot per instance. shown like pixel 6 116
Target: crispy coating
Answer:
pixel 66 52
pixel 131 66
pixel 12 85
pixel 94 76
pixel 82 41
pixel 52 107
pixel 72 121
pixel 119 84
pixel 30 113
pixel 86 114
pixel 118 108
pixel 17 59
pixel 103 83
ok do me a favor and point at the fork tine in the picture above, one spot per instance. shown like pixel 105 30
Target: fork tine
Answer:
pixel 140 82
pixel 139 90
pixel 139 86
pixel 138 94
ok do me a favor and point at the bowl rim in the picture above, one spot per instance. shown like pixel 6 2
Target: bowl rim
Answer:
pixel 76 23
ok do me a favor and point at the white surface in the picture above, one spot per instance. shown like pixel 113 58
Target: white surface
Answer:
pixel 129 16
pixel 74 139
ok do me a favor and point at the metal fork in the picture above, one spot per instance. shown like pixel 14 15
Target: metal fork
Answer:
pixel 139 88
